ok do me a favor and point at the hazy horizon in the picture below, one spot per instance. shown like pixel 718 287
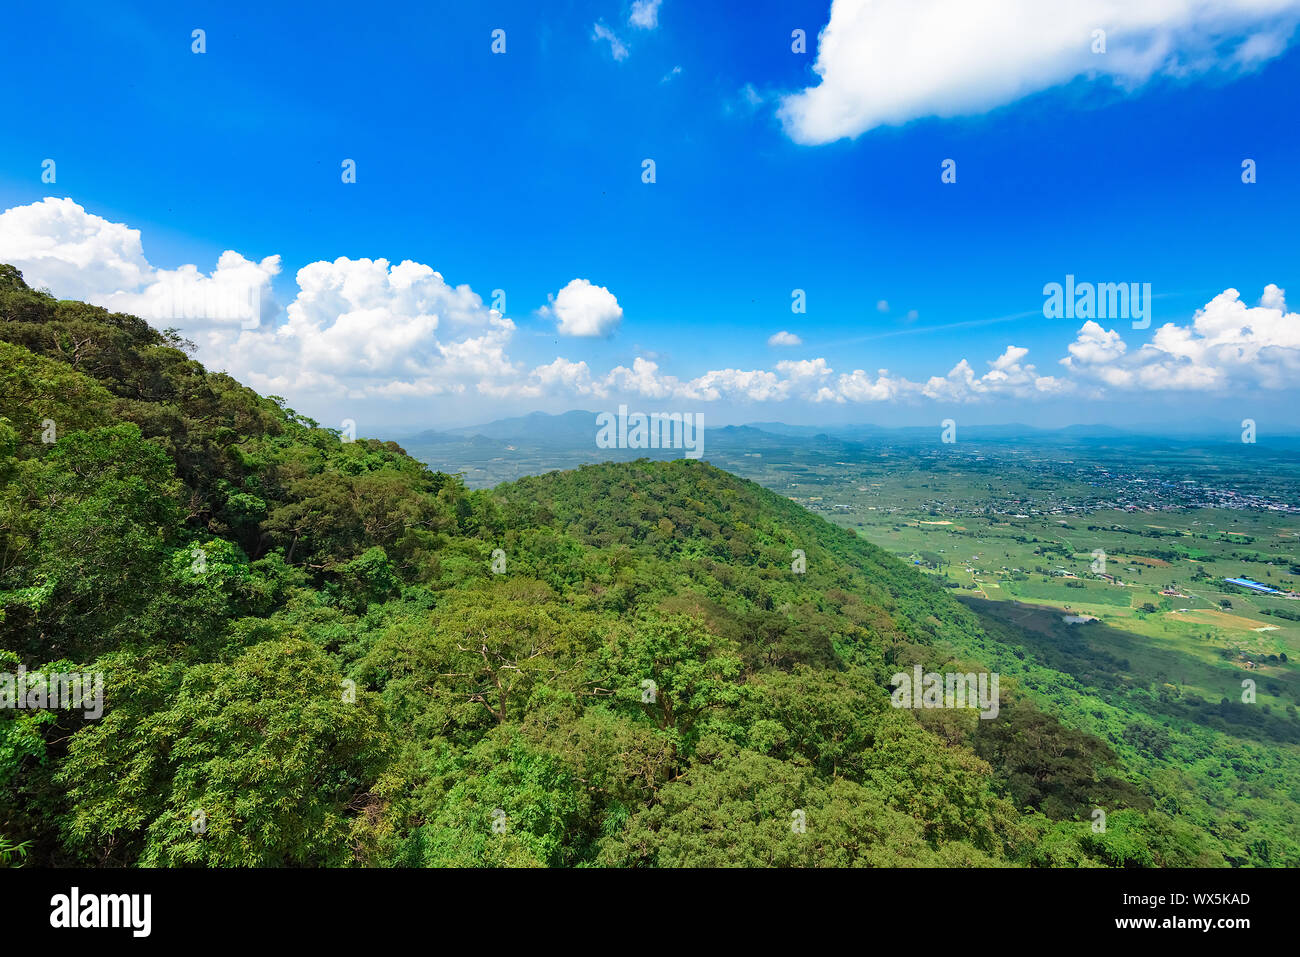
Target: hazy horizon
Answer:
pixel 1224 430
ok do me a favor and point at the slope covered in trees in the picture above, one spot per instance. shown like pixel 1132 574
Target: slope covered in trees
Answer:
pixel 309 658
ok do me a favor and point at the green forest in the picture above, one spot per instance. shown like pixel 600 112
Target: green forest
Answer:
pixel 332 656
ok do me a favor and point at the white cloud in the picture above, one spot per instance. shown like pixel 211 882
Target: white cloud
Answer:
pixel 886 62
pixel 355 327
pixel 804 369
pixel 559 377
pixel 645 14
pixel 238 292
pixel 1096 345
pixel 368 328
pixel 1227 345
pixel 366 319
pixel 784 338
pixel 754 385
pixel 1008 377
pixel 882 306
pixel 860 387
pixel 583 309
pixel 57 244
pixel 616 47
pixel 791 379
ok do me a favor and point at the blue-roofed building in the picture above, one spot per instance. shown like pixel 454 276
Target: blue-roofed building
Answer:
pixel 1252 585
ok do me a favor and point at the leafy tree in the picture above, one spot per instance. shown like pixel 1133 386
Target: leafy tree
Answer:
pixel 267 752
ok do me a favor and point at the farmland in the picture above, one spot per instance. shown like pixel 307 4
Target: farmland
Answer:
pixel 1152 574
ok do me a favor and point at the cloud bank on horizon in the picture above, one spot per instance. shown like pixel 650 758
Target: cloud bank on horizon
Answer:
pixel 371 329
pixel 887 62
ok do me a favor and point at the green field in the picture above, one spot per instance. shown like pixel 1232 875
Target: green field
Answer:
pixel 1024 561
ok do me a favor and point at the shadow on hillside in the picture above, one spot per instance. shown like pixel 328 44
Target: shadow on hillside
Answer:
pixel 1081 651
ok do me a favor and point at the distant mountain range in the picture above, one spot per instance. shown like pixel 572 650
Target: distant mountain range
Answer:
pixel 579 428
pixel 540 442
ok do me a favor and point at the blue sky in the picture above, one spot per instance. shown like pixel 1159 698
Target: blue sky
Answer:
pixel 522 172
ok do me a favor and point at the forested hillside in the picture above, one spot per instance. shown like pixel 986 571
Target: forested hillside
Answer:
pixel 332 656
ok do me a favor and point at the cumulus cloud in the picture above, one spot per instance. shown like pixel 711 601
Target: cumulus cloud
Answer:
pixel 886 62
pixel 363 328
pixel 754 385
pixel 370 328
pixel 1095 346
pixel 57 244
pixel 645 14
pixel 790 379
pixel 1227 345
pixel 368 319
pixel 784 338
pixel 584 309
pixel 1008 377
pixel 355 327
pixel 238 292
pixel 859 386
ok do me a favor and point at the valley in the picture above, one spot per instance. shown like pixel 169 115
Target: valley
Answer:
pixel 1098 568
